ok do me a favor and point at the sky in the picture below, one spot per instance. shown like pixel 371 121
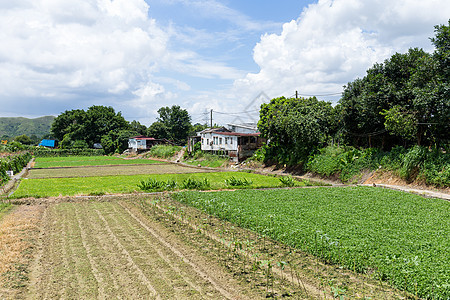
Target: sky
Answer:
pixel 227 56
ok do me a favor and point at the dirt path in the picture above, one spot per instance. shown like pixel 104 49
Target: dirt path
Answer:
pixel 106 250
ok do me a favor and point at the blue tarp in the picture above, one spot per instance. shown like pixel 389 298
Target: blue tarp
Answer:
pixel 47 143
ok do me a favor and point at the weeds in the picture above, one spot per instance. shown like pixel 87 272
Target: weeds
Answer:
pixel 287 181
pixel 233 181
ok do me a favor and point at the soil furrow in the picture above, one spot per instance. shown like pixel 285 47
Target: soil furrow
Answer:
pixel 225 293
pixel 99 279
pixel 166 257
pixel 133 265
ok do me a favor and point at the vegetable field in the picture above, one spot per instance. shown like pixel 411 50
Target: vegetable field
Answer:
pixel 76 161
pixel 398 237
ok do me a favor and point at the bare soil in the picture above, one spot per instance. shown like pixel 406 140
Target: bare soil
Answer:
pixel 108 249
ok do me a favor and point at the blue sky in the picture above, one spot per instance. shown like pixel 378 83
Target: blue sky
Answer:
pixel 140 55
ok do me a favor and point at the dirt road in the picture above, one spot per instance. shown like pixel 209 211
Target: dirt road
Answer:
pixel 106 250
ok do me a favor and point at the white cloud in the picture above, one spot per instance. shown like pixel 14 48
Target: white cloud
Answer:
pixel 65 50
pixel 333 42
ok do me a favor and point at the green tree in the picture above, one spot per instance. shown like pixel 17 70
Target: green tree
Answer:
pixel 23 139
pixel 88 126
pixel 295 127
pixel 116 141
pixel 138 127
pixel 173 123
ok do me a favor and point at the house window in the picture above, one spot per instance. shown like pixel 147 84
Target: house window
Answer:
pixel 207 141
pixel 202 141
pixel 226 140
pixel 220 141
pixel 231 141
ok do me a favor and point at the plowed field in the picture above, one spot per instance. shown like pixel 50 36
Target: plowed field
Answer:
pixel 105 250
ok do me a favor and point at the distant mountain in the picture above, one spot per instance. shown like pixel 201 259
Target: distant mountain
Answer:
pixel 13 127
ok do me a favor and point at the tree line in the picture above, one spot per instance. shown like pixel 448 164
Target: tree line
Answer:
pixel 403 101
pixel 100 124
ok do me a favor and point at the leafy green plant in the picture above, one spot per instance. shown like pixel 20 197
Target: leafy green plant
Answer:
pixel 287 181
pixel 233 181
pixel 194 184
pixel 157 185
pixel 163 151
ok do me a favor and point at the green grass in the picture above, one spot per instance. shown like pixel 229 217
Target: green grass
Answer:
pixel 76 161
pixel 399 237
pixel 51 187
pixel 164 151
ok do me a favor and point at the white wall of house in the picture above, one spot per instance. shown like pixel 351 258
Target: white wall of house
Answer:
pixel 136 144
pixel 218 142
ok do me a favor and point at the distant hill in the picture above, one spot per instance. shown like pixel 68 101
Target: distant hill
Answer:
pixel 13 127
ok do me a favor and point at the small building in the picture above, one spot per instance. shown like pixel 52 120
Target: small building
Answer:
pixel 48 143
pixel 243 128
pixel 237 145
pixel 143 143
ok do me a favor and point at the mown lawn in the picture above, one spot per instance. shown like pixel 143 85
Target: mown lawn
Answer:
pixel 76 161
pixel 399 237
pixel 51 187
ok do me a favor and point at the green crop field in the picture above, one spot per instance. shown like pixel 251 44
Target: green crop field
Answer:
pixel 75 161
pixel 398 237
pixel 52 187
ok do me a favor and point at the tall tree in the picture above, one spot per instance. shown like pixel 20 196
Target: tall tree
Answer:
pixel 173 122
pixel 88 126
pixel 295 127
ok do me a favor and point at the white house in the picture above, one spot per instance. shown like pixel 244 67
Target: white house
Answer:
pixel 143 143
pixel 236 145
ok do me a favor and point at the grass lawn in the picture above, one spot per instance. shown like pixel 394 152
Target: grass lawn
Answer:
pixel 75 161
pixel 51 187
pixel 399 237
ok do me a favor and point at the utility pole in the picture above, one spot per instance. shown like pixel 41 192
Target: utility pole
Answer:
pixel 211 119
pixel 296 94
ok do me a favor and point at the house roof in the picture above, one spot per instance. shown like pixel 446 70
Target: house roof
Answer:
pixel 213 130
pixel 143 137
pixel 237 134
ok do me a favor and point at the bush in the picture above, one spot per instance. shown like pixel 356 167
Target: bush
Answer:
pixel 12 162
pixel 155 185
pixel 233 181
pixel 287 181
pixel 164 151
pixel 194 184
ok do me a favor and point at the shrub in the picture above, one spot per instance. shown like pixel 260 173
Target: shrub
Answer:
pixel 233 181
pixel 287 181
pixel 155 185
pixel 194 184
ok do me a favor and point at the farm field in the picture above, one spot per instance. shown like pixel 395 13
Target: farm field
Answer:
pixel 398 237
pixel 54 187
pixel 89 171
pixel 76 161
pixel 318 242
pixel 108 250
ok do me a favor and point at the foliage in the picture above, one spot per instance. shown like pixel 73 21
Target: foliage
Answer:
pixel 294 127
pixel 163 151
pixel 287 181
pixel 173 123
pixel 12 162
pixel 23 139
pixel 404 99
pixel 116 141
pixel 12 127
pixel 155 185
pixel 401 241
pixel 136 126
pixel 195 184
pixel 233 181
pixel 416 162
pixel 89 126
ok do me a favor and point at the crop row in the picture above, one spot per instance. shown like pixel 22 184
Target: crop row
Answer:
pixel 393 236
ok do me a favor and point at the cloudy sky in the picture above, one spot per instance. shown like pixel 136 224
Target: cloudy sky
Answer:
pixel 140 55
